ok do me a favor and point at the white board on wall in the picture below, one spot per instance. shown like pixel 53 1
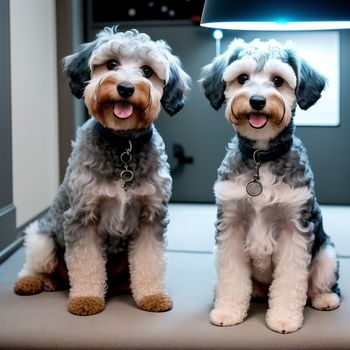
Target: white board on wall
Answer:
pixel 321 50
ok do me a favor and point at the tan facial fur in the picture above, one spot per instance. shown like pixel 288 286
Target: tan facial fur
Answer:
pixel 101 94
pixel 280 100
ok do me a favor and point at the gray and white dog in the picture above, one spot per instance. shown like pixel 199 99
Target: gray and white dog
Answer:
pixel 269 232
pixel 117 185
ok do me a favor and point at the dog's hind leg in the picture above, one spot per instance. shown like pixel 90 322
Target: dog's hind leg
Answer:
pixel 40 263
pixel 147 268
pixel 86 264
pixel 323 291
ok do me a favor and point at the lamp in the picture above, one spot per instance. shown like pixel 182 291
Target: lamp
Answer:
pixel 276 14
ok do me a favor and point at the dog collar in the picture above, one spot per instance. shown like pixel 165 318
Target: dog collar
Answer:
pixel 121 139
pixel 254 187
pixel 126 142
pixel 262 156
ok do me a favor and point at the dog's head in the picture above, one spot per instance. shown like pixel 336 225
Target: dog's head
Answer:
pixel 125 77
pixel 261 82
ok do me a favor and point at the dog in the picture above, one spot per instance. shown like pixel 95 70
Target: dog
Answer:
pixel 110 212
pixel 269 231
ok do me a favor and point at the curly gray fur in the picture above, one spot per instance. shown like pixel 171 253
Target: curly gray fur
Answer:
pixel 92 162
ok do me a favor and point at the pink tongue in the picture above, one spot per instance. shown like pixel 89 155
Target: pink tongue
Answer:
pixel 257 120
pixel 122 110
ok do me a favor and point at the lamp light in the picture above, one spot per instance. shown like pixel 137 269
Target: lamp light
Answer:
pixel 273 15
pixel 218 35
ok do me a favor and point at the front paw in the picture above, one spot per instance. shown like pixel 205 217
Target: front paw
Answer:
pixel 29 285
pixel 155 303
pixel 85 306
pixel 227 317
pixel 325 301
pixel 283 322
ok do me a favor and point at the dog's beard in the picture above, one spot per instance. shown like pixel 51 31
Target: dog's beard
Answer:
pixel 264 124
pixel 114 112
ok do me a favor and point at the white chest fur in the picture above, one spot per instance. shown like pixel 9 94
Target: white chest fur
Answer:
pixel 274 190
pixel 117 209
pixel 271 214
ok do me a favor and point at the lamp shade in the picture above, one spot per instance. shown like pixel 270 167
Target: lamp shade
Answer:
pixel 276 14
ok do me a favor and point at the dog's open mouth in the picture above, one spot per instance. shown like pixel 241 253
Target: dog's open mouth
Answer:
pixel 122 109
pixel 257 120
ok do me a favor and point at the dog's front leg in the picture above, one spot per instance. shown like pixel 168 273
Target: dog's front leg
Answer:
pixel 86 266
pixel 147 268
pixel 288 291
pixel 234 285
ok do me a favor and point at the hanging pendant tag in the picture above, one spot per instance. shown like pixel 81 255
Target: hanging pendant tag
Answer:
pixel 254 188
pixel 126 175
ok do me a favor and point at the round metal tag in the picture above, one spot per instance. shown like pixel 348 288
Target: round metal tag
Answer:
pixel 126 157
pixel 127 175
pixel 254 188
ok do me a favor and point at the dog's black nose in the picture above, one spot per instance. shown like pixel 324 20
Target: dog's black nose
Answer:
pixel 125 89
pixel 257 102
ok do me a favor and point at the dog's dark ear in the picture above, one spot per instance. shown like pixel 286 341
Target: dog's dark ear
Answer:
pixel 310 85
pixel 212 81
pixel 77 68
pixel 173 98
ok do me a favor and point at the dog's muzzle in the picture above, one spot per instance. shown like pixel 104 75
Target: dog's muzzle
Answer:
pixel 256 119
pixel 123 109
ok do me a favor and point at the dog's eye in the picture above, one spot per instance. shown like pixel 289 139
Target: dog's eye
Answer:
pixel 242 78
pixel 278 81
pixel 147 71
pixel 112 64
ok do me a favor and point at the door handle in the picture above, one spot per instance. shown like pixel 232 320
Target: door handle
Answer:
pixel 180 155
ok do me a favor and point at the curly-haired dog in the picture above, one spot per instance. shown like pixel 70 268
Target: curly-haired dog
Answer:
pixel 269 227
pixel 117 185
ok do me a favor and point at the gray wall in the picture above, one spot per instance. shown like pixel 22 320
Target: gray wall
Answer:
pixel 204 133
